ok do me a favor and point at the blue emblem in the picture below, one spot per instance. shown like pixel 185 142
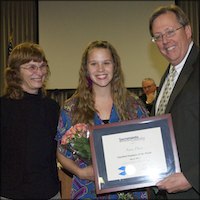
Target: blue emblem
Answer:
pixel 123 169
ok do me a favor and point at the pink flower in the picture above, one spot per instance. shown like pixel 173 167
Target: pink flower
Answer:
pixel 76 131
pixel 76 140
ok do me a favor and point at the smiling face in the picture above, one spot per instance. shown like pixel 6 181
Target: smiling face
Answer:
pixel 100 67
pixel 33 75
pixel 173 48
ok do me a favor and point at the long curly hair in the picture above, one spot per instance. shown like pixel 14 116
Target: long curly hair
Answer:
pixel 21 54
pixel 82 101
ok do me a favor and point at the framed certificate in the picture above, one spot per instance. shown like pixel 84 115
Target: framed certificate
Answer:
pixel 133 154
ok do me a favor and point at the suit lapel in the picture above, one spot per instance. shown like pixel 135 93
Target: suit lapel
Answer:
pixel 183 77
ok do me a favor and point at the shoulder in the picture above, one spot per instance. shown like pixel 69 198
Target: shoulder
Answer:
pixel 69 105
pixel 6 102
pixel 2 101
pixel 50 100
pixel 136 106
pixel 51 103
pixel 3 98
pixel 194 56
pixel 67 110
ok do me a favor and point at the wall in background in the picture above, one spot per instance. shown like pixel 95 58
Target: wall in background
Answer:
pixel 66 27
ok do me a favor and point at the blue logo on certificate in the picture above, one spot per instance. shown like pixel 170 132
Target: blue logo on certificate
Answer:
pixel 127 170
pixel 123 169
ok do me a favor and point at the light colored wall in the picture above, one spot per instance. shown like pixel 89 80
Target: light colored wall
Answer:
pixel 66 27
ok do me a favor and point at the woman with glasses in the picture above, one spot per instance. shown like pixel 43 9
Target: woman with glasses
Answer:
pixel 171 32
pixel 28 126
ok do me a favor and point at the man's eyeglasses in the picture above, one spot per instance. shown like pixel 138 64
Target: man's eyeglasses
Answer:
pixel 34 68
pixel 168 33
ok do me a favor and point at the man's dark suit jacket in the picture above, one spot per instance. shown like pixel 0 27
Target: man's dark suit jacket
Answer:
pixel 184 108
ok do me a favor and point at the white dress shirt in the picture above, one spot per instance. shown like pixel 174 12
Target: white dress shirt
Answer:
pixel 178 69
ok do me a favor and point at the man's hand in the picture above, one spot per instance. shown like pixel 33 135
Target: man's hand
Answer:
pixel 150 98
pixel 174 183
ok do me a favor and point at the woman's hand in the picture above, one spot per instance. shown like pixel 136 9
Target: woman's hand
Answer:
pixel 86 173
pixel 72 167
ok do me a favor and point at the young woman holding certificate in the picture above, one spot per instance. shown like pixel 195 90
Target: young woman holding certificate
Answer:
pixel 101 97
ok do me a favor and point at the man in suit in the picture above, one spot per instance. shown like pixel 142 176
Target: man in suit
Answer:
pixel 171 31
pixel 149 89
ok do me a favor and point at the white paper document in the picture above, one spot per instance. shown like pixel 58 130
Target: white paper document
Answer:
pixel 134 153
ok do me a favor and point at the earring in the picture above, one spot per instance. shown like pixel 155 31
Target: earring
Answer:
pixel 89 82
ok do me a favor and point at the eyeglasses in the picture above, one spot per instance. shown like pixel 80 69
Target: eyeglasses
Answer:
pixel 34 68
pixel 168 33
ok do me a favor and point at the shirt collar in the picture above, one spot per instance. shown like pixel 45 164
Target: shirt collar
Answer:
pixel 179 67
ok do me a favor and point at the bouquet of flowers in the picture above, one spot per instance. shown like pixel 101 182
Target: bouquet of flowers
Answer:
pixel 76 140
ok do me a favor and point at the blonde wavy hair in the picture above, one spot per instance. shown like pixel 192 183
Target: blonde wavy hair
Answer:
pixel 83 110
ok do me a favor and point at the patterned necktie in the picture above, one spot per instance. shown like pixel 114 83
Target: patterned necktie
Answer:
pixel 167 91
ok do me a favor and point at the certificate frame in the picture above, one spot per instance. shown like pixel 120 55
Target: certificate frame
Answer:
pixel 106 140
